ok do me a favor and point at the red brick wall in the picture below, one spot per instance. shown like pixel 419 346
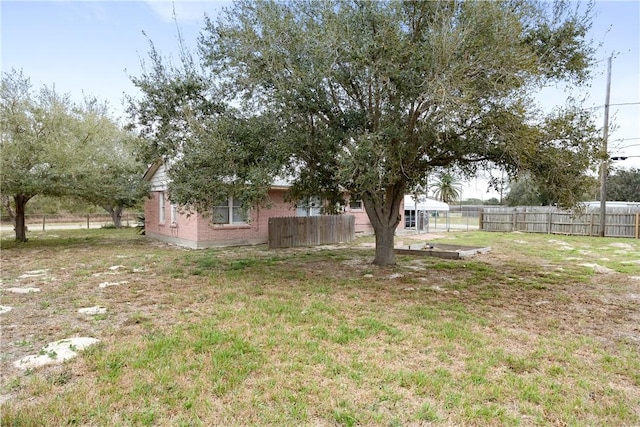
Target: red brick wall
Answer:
pixel 257 229
pixel 151 213
pixel 185 226
pixel 362 220
pixel 196 230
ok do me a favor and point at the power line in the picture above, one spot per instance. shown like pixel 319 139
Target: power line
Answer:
pixel 624 103
pixel 621 147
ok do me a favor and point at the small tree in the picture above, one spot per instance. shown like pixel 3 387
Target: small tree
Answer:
pixel 112 178
pixel 49 146
pixel 37 139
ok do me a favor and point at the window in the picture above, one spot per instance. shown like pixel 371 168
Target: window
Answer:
pixel 409 218
pixel 161 207
pixel 355 204
pixel 310 206
pixel 174 213
pixel 229 211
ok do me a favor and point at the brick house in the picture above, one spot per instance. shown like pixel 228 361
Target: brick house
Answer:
pixel 228 224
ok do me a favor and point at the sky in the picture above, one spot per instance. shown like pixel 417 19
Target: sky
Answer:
pixel 93 47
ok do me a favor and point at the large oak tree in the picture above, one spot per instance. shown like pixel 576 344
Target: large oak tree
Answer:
pixel 370 97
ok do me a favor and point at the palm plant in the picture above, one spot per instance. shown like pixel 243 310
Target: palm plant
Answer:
pixel 446 188
pixel 140 224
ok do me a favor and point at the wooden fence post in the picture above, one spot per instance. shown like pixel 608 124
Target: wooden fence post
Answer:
pixel 571 228
pixel 638 225
pixel 43 221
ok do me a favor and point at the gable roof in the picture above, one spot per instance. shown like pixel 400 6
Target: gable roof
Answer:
pixel 151 171
pixel 150 176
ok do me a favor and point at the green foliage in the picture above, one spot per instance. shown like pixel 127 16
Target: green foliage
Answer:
pixel 141 224
pixel 472 201
pixel 50 205
pixel 446 188
pixel 52 146
pixel 624 185
pixel 235 157
pixel 529 191
pixel 558 166
pixel 37 133
pixel 523 192
pixel 369 97
pixel 214 150
pixel 113 180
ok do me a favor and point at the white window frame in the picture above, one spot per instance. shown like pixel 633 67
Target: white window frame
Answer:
pixel 161 207
pixel 174 213
pixel 233 206
pixel 353 207
pixel 310 206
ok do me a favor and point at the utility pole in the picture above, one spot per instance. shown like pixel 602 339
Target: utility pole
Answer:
pixel 604 163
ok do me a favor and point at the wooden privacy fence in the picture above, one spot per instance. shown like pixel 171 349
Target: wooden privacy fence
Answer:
pixel 554 221
pixel 295 231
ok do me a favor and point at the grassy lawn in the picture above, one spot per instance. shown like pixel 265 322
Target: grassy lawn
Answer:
pixel 524 335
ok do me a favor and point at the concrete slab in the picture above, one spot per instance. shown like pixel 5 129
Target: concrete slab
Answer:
pixel 441 250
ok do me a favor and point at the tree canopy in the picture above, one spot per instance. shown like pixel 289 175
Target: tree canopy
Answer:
pixel 369 97
pixel 112 177
pixel 624 185
pixel 524 192
pixel 53 146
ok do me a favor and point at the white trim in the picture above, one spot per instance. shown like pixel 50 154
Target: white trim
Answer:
pixel 161 207
pixel 174 213
pixel 359 202
pixel 310 206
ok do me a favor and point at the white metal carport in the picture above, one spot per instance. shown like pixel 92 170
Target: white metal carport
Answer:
pixel 418 215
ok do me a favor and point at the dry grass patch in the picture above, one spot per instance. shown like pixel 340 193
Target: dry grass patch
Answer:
pixel 319 336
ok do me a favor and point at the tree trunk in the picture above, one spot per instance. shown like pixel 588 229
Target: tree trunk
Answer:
pixel 384 214
pixel 20 227
pixel 116 214
pixel 6 204
pixel 385 242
